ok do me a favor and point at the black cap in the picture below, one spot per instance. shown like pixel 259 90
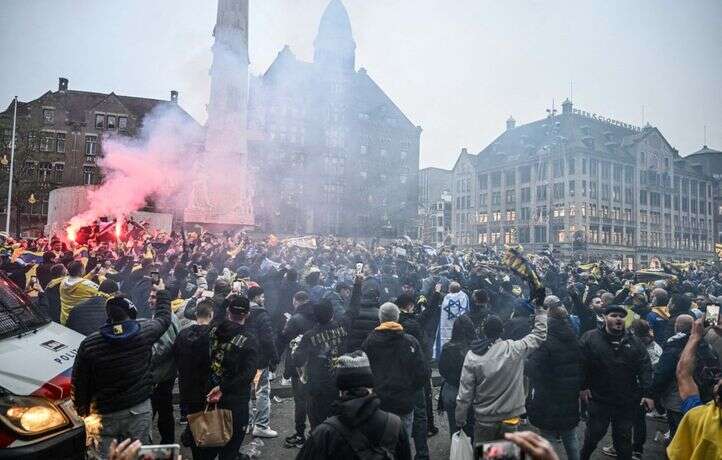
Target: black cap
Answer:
pixel 238 305
pixel 615 308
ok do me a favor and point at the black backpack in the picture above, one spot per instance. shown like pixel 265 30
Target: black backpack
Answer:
pixel 362 447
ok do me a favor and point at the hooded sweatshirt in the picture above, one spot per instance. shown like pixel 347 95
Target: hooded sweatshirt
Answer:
pixel 492 377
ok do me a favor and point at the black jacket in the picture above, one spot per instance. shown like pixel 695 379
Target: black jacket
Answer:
pixel 410 323
pixel 259 322
pixel 618 372
pixel 234 361
pixel 398 367
pixel 316 353
pixel 451 362
pixel 112 367
pixel 361 318
pixel 326 443
pixel 301 322
pixel 52 299
pixel 88 316
pixel 555 373
pixel 192 356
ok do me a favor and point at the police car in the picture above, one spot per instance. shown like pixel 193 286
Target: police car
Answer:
pixel 37 419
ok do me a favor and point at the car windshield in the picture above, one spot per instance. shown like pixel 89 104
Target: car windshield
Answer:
pixel 17 314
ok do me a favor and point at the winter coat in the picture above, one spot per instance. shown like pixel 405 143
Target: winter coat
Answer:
pixel 52 298
pixel 398 367
pixel 555 374
pixel 299 323
pixel 361 318
pixel 192 356
pixel 410 323
pixel 454 305
pixel 259 321
pixel 451 362
pixel 617 370
pixel 140 295
pixel 112 369
pixel 234 361
pixel 517 328
pixel 316 353
pixel 492 378
pixel 43 273
pixel 88 316
pixel 356 413
pixel 162 364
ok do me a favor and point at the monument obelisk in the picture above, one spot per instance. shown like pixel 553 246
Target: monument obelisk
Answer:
pixel 221 194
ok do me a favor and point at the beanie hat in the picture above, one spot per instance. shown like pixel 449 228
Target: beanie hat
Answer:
pixel 238 305
pixel 254 291
pixel 118 307
pixel 323 311
pixel 388 312
pixel 353 371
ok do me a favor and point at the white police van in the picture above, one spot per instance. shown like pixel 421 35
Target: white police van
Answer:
pixel 37 419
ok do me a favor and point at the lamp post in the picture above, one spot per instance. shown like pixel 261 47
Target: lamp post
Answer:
pixel 12 164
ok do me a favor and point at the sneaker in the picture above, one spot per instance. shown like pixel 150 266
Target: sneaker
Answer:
pixel 636 456
pixel 259 432
pixel 285 382
pixel 296 440
pixel 183 420
pixel 656 415
pixel 433 431
pixel 609 450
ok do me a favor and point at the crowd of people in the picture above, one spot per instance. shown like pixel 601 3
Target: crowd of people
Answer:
pixel 356 329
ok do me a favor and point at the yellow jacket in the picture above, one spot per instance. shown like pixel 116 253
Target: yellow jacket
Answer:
pixel 72 292
pixel 699 435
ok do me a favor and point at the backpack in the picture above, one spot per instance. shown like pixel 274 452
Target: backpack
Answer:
pixel 362 447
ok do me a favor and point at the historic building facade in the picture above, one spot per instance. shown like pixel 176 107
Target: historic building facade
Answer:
pixel 585 186
pixel 59 139
pixel 329 150
pixel 434 205
pixel 710 161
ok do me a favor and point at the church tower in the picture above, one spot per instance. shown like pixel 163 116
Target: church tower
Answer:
pixel 222 193
pixel 334 46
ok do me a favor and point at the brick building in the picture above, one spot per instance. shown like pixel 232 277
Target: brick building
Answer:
pixel 585 186
pixel 58 142
pixel 330 151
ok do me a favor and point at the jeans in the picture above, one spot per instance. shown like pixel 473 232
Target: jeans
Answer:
pixel 570 440
pixel 261 416
pixel 162 403
pixel 600 416
pixel 133 422
pixel 448 399
pixel 420 429
pixel 299 405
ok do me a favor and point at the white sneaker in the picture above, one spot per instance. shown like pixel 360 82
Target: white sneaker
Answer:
pixel 286 382
pixel 259 432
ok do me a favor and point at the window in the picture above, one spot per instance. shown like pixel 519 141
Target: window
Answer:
pixel 526 195
pixel 49 115
pixel 570 166
pixel 618 170
pixel 541 192
pixel 667 201
pixel 482 199
pixel 655 199
pixel 540 234
pixel 30 169
pixel 496 198
pixel 558 168
pixel 643 197
pixel 525 213
pixel 111 121
pixel 571 188
pixel 60 147
pixel 628 195
pixel 47 142
pixel 559 191
pixel 628 174
pixel 496 179
pixel 484 181
pixel 510 178
pixel 44 171
pixel 99 121
pixel 606 169
pixel 88 176
pixel 496 216
pixel 510 197
pixel 122 123
pixel 617 193
pixel 91 145
pixel 483 217
pixel 593 168
pixel 59 167
pixel 511 216
pixel 525 174
pixel 593 191
pixel 541 170
pixel 606 193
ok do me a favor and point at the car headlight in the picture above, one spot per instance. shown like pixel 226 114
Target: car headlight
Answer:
pixel 31 416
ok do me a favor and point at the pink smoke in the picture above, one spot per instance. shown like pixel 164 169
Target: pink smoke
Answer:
pixel 157 164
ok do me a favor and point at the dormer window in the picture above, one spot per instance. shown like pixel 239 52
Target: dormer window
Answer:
pixel 122 123
pixel 99 121
pixel 111 123
pixel 49 115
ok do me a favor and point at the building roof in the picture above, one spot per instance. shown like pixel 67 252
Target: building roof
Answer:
pixel 335 24
pixel 705 151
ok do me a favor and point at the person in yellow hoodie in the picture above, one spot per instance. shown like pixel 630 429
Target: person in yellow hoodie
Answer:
pixel 75 289
pixel 699 435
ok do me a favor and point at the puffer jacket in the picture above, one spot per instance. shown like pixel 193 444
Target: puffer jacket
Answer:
pixel 112 369
pixel 555 374
pixel 492 378
pixel 398 366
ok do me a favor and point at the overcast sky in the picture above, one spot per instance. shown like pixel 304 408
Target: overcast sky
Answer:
pixel 458 68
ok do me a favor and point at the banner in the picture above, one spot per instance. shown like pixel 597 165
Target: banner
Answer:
pixel 307 242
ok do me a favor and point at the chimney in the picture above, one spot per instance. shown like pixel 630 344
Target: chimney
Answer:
pixel 510 123
pixel 174 96
pixel 567 106
pixel 62 84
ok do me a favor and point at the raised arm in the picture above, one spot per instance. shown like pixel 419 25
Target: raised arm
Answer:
pixel 685 367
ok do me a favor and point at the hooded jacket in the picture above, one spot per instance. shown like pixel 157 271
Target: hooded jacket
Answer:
pixel 398 366
pixel 191 352
pixel 112 369
pixel 356 413
pixel 492 377
pixel 617 370
pixel 555 373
